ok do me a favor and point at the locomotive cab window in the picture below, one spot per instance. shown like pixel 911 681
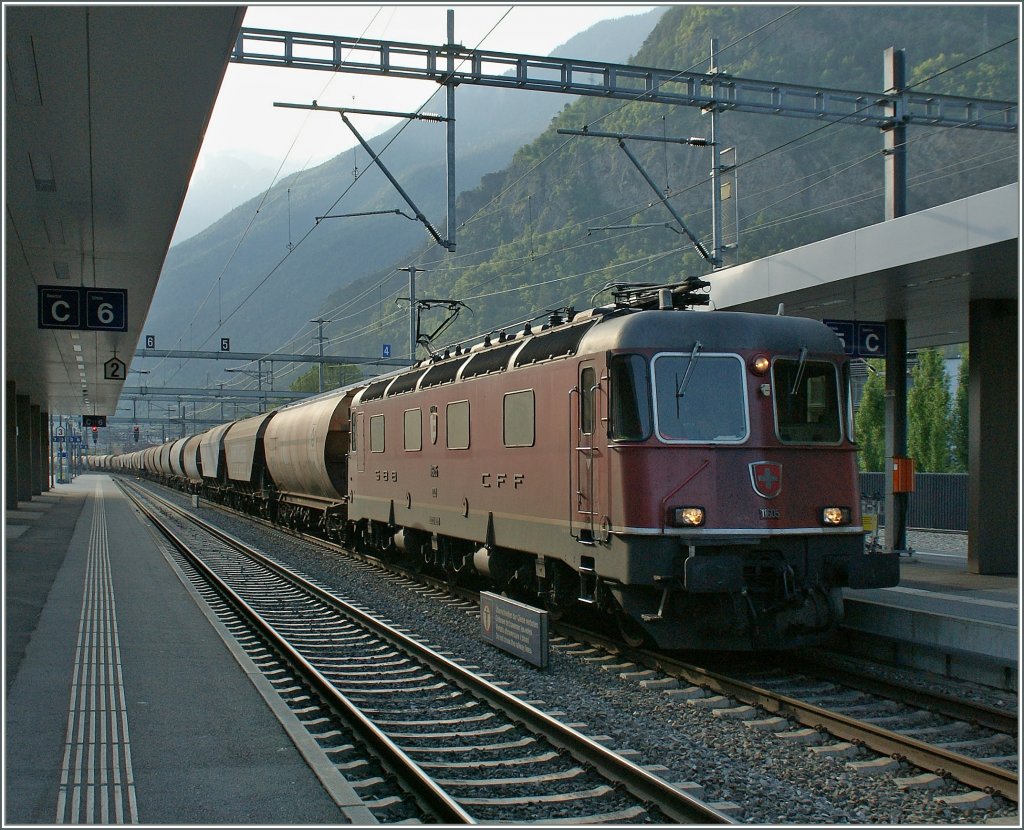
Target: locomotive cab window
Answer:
pixel 377 433
pixel 413 430
pixel 518 418
pixel 700 397
pixel 630 398
pixel 807 408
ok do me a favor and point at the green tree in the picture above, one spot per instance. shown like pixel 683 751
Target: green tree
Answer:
pixel 870 419
pixel 928 416
pixel 960 416
pixel 335 375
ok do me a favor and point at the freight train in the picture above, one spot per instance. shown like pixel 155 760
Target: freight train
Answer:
pixel 691 475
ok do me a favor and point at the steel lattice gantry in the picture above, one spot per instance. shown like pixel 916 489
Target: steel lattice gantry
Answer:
pixel 338 53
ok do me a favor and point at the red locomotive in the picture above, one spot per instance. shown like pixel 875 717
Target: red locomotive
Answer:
pixel 692 474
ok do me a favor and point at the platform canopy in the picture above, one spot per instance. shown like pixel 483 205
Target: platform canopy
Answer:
pixel 106 108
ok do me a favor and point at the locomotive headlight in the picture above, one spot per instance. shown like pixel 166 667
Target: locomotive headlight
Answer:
pixel 760 364
pixel 687 516
pixel 835 516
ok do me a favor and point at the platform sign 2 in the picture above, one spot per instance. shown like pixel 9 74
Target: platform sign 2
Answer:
pixel 78 307
pixel 860 338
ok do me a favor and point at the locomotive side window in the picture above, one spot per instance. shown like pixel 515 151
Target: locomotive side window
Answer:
pixel 519 419
pixel 630 398
pixel 377 433
pixel 413 430
pixel 588 380
pixel 457 424
pixel 700 397
pixel 806 395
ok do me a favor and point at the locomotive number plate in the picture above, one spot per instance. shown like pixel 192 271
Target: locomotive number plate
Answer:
pixel 769 513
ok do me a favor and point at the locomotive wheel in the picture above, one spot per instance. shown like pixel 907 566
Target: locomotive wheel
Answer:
pixel 632 633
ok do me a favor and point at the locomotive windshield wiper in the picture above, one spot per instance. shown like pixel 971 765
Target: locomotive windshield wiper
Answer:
pixel 799 371
pixel 688 374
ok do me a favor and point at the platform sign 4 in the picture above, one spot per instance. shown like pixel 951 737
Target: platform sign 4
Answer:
pixel 860 338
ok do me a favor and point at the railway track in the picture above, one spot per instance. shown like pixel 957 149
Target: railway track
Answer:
pixel 968 742
pixel 461 750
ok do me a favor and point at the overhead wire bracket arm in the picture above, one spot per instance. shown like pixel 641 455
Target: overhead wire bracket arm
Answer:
pixel 343 112
pixel 675 215
pixel 394 211
pixel 415 116
pixel 620 137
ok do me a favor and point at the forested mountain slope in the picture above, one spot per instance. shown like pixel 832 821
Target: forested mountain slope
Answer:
pixel 264 267
pixel 534 236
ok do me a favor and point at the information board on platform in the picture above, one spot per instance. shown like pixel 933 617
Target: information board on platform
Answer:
pixel 515 627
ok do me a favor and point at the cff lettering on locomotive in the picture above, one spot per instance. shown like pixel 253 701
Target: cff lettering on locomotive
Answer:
pixel 690 474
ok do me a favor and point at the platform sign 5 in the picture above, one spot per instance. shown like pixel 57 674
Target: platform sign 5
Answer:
pixel 846 331
pixel 860 338
pixel 78 307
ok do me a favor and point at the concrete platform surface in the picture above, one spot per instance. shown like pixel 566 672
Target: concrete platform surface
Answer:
pixel 940 617
pixel 124 704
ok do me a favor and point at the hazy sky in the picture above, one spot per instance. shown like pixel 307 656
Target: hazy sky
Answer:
pixel 245 121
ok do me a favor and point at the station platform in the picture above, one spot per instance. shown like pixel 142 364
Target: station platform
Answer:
pixel 940 618
pixel 123 703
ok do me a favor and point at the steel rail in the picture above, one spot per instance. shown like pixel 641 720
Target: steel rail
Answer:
pixel 677 805
pixel 972 772
pixel 421 785
pixel 977 713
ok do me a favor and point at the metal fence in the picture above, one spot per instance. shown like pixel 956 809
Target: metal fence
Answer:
pixel 939 500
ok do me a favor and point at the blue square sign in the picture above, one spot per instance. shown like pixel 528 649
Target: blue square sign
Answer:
pixel 871 339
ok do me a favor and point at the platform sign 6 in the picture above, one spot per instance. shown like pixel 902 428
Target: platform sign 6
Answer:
pixel 78 307
pixel 106 309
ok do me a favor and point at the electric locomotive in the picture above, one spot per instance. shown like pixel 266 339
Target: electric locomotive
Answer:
pixel 692 474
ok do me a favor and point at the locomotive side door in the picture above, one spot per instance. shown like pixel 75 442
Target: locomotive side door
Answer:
pixel 588 461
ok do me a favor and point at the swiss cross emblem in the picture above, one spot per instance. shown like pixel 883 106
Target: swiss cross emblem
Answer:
pixel 766 478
